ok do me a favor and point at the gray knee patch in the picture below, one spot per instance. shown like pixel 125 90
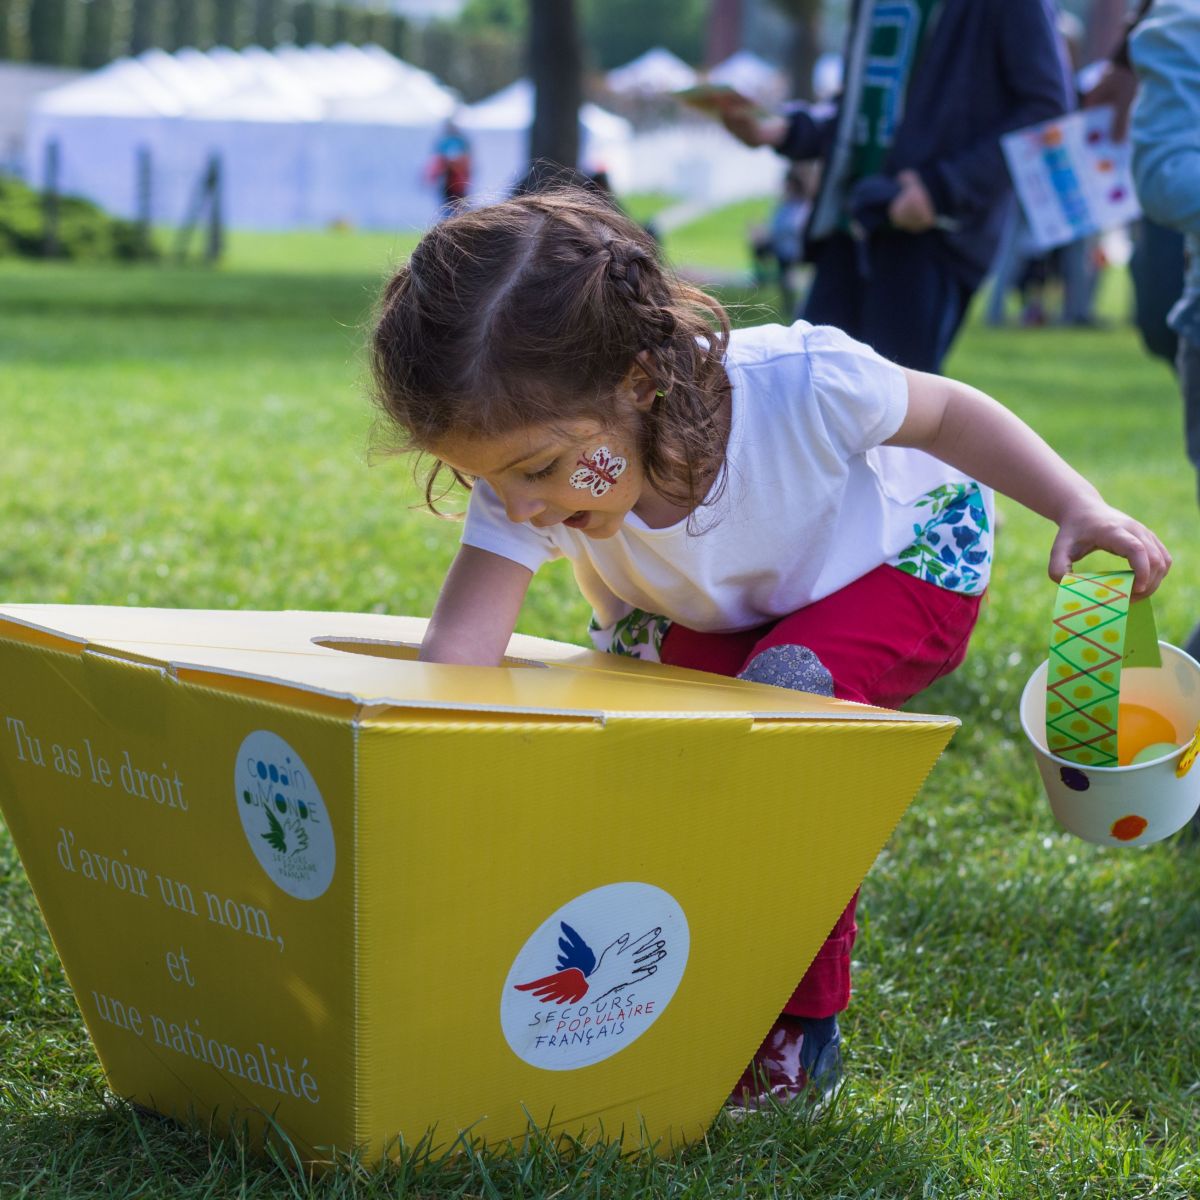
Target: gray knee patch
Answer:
pixel 795 667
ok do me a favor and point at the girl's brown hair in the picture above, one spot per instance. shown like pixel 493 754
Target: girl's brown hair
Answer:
pixel 532 311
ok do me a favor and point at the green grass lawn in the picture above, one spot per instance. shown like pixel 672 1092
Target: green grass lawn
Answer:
pixel 1023 1023
pixel 717 242
pixel 720 240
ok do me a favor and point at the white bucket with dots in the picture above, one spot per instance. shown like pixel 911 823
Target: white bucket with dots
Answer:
pixel 1136 804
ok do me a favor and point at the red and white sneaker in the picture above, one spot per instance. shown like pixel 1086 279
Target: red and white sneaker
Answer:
pixel 800 1060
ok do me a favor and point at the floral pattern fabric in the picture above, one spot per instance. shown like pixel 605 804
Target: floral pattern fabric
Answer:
pixel 636 635
pixel 953 548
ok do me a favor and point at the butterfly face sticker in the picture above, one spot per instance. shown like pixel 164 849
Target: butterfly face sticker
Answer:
pixel 598 471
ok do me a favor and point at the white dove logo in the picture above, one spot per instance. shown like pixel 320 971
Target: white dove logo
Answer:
pixel 579 972
pixel 594 1005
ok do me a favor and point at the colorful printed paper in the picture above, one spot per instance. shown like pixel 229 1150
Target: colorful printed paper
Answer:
pixel 1087 649
pixel 1072 179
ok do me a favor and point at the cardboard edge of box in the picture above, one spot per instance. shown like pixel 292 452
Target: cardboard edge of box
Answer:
pixel 348 704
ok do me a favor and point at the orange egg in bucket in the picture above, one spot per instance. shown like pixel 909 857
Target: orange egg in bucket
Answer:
pixel 1139 727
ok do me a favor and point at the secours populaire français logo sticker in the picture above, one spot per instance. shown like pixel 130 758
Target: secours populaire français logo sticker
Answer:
pixel 283 815
pixel 595 976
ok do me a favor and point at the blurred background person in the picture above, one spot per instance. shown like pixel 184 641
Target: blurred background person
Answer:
pixel 915 190
pixel 1156 266
pixel 778 246
pixel 1058 284
pixel 1165 52
pixel 450 169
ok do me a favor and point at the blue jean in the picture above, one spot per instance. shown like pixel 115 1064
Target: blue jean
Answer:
pixel 1156 269
pixel 1187 360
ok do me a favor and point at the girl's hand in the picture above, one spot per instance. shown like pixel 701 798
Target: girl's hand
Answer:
pixel 1094 525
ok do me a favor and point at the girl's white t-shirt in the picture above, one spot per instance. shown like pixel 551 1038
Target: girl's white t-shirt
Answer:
pixel 812 501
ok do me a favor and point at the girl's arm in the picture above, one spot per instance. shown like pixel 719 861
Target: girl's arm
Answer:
pixel 971 431
pixel 477 609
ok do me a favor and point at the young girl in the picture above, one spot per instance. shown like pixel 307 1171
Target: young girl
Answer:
pixel 779 504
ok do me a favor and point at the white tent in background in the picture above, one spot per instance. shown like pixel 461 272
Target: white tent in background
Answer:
pixel 189 83
pixel 827 76
pixel 375 144
pixel 752 76
pixel 651 74
pixel 399 95
pixel 98 121
pixel 498 130
pixel 306 136
pixel 125 87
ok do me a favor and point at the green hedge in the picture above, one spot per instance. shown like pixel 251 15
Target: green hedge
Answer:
pixel 85 232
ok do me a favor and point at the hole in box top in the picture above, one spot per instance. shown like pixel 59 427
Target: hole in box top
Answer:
pixel 405 651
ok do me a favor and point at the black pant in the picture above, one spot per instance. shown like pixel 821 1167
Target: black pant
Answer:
pixel 908 306
pixel 1157 271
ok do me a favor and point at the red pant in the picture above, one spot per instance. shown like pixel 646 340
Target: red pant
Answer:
pixel 883 638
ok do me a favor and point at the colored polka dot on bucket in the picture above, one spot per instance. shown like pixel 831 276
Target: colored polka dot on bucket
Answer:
pixel 1125 829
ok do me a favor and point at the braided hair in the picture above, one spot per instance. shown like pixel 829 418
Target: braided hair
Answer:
pixel 531 312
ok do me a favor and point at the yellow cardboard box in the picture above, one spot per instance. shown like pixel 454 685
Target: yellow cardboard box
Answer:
pixel 291 870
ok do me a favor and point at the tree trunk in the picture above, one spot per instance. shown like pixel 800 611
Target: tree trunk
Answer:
pixel 268 16
pixel 556 68
pixel 805 17
pixel 724 31
pixel 99 34
pixel 148 26
pixel 8 40
pixel 48 32
pixel 806 49
pixel 231 26
pixel 193 25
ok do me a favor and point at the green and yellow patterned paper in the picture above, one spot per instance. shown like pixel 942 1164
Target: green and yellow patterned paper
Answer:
pixel 1083 683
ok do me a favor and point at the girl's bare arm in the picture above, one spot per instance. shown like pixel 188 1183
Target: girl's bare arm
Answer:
pixel 477 609
pixel 971 431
